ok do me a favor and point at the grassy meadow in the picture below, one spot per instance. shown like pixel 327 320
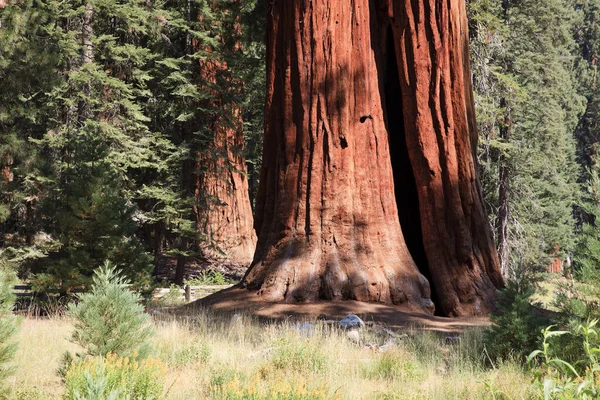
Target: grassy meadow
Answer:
pixel 205 356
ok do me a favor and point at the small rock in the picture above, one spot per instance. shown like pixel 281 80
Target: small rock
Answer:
pixel 351 321
pixel 353 336
pixel 304 328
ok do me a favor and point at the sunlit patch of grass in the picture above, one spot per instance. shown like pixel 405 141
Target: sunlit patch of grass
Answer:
pixel 41 345
pixel 392 365
pixel 550 285
pixel 176 346
pixel 297 355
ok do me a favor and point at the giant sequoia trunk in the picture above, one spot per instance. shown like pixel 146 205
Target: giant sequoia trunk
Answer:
pixel 368 188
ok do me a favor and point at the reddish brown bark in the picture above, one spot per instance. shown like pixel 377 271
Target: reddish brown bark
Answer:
pixel 222 187
pixel 556 265
pixel 328 217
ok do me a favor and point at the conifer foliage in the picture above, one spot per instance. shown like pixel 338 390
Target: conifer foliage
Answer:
pixel 110 319
pixel 105 113
pixel 529 100
pixel 7 325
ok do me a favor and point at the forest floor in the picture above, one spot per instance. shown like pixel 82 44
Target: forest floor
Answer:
pixel 230 345
pixel 213 356
pixel 236 300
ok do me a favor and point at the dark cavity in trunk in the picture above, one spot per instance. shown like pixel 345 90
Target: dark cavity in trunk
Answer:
pixel 407 198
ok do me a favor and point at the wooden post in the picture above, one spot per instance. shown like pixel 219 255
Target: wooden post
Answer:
pixel 188 293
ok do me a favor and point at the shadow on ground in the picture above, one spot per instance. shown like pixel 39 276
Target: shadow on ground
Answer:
pixel 237 300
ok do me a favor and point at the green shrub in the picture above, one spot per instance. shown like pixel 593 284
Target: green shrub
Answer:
pixel 516 324
pixel 207 278
pixel 112 377
pixel 173 296
pixel 577 304
pixel 110 318
pixel 8 324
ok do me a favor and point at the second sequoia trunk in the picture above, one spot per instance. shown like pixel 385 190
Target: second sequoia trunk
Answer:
pixel 368 188
pixel 224 216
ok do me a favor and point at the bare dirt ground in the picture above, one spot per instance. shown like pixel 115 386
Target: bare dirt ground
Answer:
pixel 237 300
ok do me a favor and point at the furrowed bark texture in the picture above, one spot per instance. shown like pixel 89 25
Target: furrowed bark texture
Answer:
pixel 227 219
pixel 327 212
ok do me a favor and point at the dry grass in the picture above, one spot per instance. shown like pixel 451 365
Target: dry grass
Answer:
pixel 41 345
pixel 239 358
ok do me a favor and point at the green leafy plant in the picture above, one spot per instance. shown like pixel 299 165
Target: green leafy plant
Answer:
pixel 112 377
pixel 110 318
pixel 561 379
pixel 577 303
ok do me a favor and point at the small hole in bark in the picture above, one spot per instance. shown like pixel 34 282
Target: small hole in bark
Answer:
pixel 407 198
pixel 343 142
pixel 364 118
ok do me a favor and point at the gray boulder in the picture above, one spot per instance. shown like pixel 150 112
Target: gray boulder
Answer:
pixel 351 321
